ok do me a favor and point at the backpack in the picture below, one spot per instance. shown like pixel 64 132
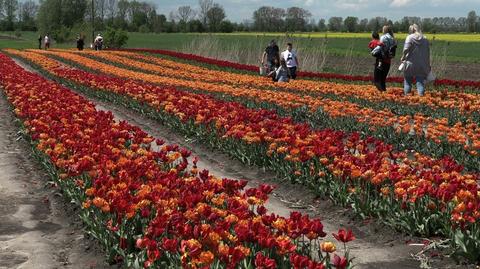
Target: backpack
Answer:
pixel 392 50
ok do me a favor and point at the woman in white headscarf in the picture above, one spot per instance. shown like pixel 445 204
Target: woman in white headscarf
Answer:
pixel 416 60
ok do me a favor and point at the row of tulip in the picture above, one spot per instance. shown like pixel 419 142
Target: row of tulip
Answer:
pixel 146 202
pixel 408 190
pixel 461 141
pixel 462 103
pixel 461 84
pixel 191 73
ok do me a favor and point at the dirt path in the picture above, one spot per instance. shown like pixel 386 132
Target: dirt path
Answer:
pixel 38 230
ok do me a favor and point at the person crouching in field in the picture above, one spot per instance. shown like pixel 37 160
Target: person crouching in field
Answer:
pixel 281 73
pixel 416 60
pixel 271 53
pixel 291 60
pixel 275 66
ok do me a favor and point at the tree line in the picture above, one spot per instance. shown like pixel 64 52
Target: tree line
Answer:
pixel 65 18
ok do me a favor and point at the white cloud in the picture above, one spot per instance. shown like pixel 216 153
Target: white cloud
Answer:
pixel 400 3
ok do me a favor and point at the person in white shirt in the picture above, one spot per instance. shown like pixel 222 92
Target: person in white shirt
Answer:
pixel 291 59
pixel 47 42
pixel 98 42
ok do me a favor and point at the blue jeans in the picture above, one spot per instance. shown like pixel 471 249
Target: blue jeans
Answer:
pixel 407 85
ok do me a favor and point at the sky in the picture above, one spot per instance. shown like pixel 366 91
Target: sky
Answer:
pixel 240 10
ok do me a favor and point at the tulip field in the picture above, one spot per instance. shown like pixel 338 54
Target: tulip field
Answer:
pixel 411 163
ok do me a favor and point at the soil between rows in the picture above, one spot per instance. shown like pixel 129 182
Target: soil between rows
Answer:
pixel 376 246
pixel 38 228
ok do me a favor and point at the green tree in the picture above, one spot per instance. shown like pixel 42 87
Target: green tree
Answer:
pixel 115 38
pixel 322 27
pixel 50 15
pixel 471 21
pixel 226 26
pixel 9 11
pixel 351 24
pixel 335 24
pixel 296 18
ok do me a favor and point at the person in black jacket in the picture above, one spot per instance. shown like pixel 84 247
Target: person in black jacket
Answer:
pixel 271 53
pixel 80 42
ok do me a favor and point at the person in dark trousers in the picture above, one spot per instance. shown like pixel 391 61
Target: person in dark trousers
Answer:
pixel 388 52
pixel 80 42
pixel 291 59
pixel 40 42
pixel 271 53
pixel 377 51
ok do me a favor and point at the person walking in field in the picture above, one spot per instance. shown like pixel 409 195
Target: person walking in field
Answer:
pixel 47 42
pixel 415 60
pixel 80 42
pixel 385 51
pixel 291 60
pixel 281 73
pixel 377 50
pixel 271 53
pixel 98 43
pixel 40 42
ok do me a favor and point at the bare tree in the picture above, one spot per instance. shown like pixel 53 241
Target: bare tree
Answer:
pixel 297 18
pixel 185 13
pixel 205 6
pixel 269 19
pixel 215 16
pixel 111 8
pixel 27 13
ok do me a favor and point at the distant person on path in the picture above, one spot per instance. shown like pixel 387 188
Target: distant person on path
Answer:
pixel 40 42
pixel 98 43
pixel 47 42
pixel 281 73
pixel 271 53
pixel 80 42
pixel 291 60
pixel 416 60
pixel 386 50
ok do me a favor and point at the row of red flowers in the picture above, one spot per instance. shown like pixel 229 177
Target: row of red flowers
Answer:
pixel 423 185
pixel 328 76
pixel 153 207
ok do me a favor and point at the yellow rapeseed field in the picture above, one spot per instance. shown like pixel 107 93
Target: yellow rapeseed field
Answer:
pixel 461 37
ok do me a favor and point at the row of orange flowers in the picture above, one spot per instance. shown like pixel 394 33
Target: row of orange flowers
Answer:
pixel 153 207
pixel 465 102
pixel 405 178
pixel 437 130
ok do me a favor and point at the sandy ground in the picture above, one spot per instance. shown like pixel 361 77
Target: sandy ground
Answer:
pixel 40 230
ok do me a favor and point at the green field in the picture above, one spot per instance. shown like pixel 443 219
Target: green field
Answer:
pixel 456 47
pixel 466 48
